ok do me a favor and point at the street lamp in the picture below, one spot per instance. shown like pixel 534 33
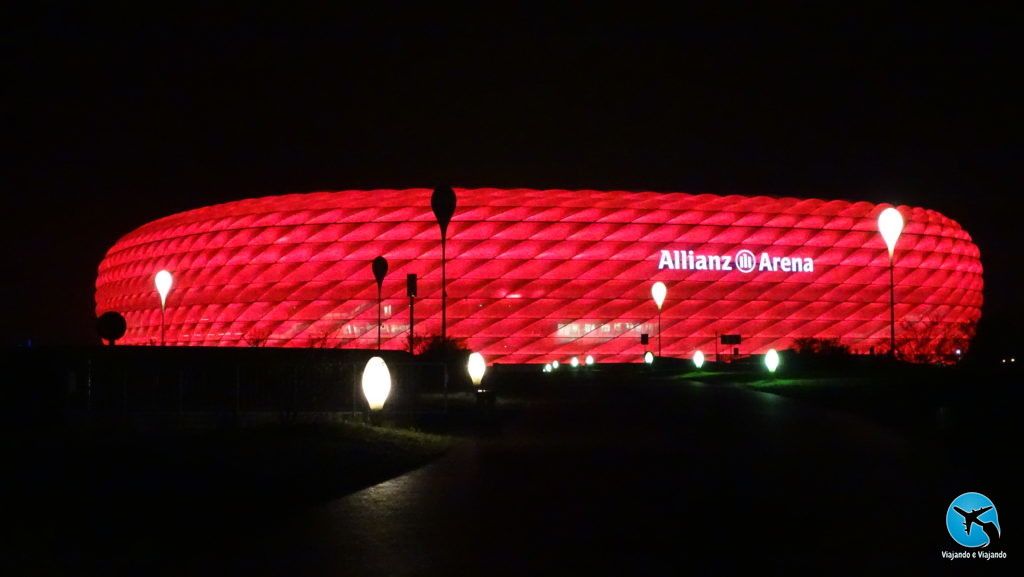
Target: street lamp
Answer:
pixel 376 383
pixel 442 202
pixel 163 282
pixel 890 224
pixel 589 360
pixel 698 359
pixel 771 360
pixel 649 358
pixel 476 366
pixel 658 291
pixel 575 362
pixel 380 269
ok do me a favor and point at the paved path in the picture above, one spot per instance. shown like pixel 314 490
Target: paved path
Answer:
pixel 653 480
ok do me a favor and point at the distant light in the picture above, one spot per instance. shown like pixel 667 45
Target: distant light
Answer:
pixel 658 291
pixel 376 383
pixel 514 296
pixel 163 285
pixel 958 352
pixel 589 360
pixel 476 366
pixel 554 365
pixel 890 224
pixel 649 358
pixel 771 360
pixel 1013 360
pixel 698 359
pixel 547 368
pixel 574 362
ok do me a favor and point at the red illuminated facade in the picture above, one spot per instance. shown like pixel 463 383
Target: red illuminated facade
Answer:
pixel 539 275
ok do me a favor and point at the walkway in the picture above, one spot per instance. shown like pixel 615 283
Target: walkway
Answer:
pixel 653 480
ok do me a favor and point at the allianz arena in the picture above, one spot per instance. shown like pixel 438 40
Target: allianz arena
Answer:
pixel 541 275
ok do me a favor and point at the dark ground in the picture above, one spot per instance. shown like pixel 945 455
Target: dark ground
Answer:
pixel 611 475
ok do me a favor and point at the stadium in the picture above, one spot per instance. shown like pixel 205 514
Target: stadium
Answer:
pixel 541 275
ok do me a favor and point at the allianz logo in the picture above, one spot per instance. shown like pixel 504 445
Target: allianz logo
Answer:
pixel 743 261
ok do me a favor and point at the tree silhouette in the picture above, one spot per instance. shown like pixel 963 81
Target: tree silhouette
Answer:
pixel 111 326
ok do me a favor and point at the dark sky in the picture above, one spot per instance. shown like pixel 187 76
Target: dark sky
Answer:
pixel 112 119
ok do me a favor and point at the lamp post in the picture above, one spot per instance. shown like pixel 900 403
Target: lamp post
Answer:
pixel 163 281
pixel 476 367
pixel 410 289
pixel 659 291
pixel 442 202
pixel 698 359
pixel 376 383
pixel 771 360
pixel 380 269
pixel 890 225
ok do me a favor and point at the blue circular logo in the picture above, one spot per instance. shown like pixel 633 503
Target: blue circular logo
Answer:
pixel 972 520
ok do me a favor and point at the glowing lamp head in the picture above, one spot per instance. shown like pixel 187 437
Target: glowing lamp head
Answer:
pixel 649 358
pixel 589 360
pixel 554 365
pixel 163 282
pixel 476 366
pixel 376 383
pixel 698 359
pixel 575 362
pixel 547 368
pixel 659 291
pixel 771 360
pixel 890 224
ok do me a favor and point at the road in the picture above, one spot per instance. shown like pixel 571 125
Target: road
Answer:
pixel 655 479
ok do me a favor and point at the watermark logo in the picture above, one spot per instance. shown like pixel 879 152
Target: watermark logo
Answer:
pixel 972 521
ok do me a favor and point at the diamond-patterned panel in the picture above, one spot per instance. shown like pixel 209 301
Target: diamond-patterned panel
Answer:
pixel 537 275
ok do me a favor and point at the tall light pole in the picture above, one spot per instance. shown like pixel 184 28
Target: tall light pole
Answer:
pixel 163 283
pixel 890 224
pixel 659 291
pixel 442 202
pixel 380 269
pixel 410 289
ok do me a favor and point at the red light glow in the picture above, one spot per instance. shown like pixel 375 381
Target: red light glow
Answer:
pixel 540 274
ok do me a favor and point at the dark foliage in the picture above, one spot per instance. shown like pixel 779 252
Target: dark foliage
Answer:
pixel 813 346
pixel 451 352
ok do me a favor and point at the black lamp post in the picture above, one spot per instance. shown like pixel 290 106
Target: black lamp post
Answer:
pixel 442 202
pixel 410 289
pixel 380 268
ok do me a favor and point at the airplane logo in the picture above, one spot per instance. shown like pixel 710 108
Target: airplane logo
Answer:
pixel 972 517
pixel 968 510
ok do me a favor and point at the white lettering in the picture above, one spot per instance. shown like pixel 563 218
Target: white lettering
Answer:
pixel 744 261
pixel 666 260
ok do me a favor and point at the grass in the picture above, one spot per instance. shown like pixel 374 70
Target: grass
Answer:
pixel 281 465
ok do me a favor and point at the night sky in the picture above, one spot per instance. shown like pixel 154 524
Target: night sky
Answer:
pixel 114 118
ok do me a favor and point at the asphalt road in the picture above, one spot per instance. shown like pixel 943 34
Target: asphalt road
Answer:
pixel 664 478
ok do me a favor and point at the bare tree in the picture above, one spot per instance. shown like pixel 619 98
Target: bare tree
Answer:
pixel 928 340
pixel 320 339
pixel 257 336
